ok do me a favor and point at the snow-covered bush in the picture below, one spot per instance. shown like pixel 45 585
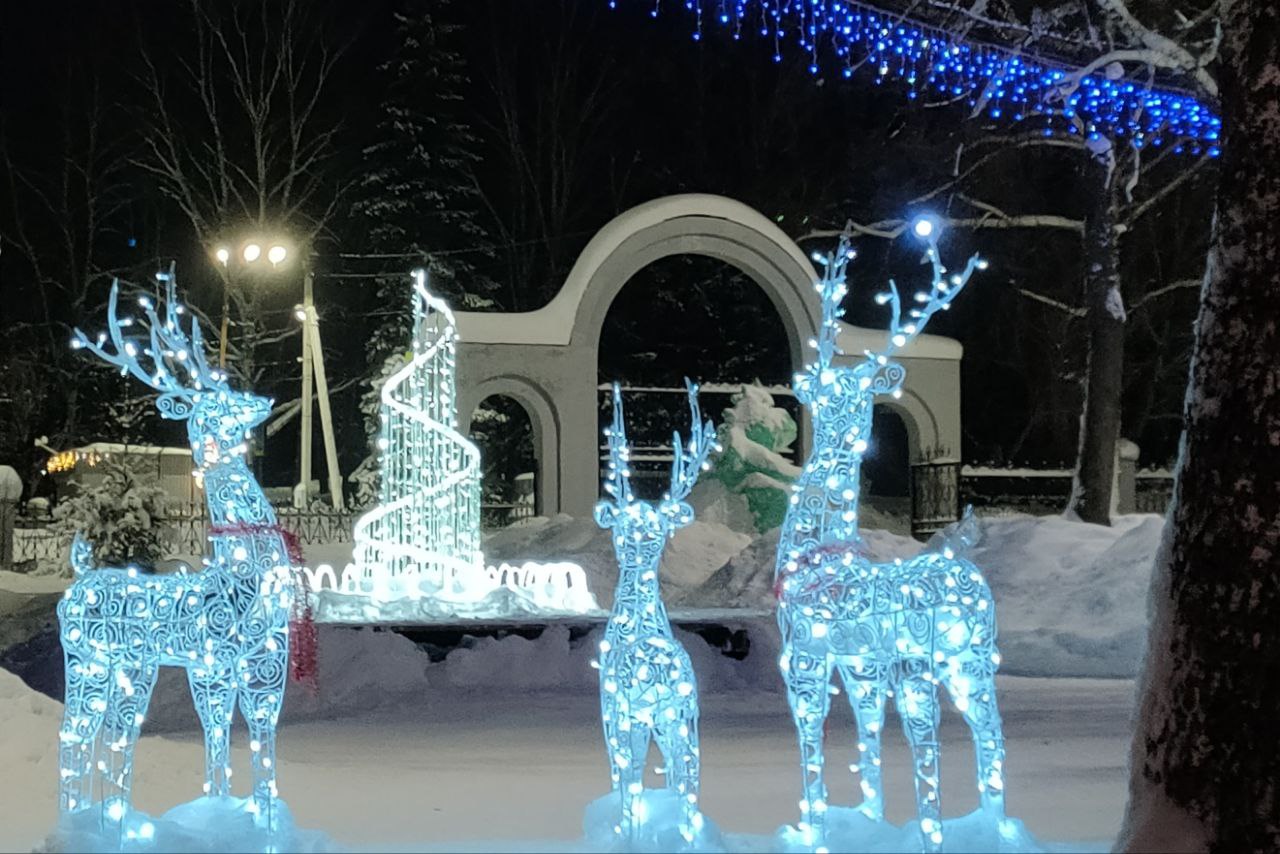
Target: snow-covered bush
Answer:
pixel 756 436
pixel 119 515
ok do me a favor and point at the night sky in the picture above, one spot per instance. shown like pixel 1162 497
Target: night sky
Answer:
pixel 634 109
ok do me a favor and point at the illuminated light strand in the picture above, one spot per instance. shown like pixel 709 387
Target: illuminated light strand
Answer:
pixel 888 630
pixel 648 690
pixel 423 538
pixel 422 541
pixel 995 81
pixel 227 626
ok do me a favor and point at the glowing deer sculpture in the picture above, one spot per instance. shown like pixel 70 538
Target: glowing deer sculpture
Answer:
pixel 228 625
pixel 647 686
pixel 886 629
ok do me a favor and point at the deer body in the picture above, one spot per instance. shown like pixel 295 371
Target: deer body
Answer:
pixel 648 691
pixel 227 626
pixel 897 629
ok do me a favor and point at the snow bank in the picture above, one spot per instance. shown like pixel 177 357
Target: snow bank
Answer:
pixel 1071 597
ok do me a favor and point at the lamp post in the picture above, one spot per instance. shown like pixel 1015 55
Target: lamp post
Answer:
pixel 250 255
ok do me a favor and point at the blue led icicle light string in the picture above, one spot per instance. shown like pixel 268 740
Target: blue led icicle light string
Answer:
pixel 1006 86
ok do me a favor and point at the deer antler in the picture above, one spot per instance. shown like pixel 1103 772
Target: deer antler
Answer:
pixel 689 462
pixel 831 290
pixel 618 482
pixel 168 347
pixel 941 292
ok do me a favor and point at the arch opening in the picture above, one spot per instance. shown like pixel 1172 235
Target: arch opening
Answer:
pixel 503 430
pixel 687 315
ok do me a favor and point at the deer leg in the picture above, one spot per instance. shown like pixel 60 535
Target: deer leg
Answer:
pixel 631 784
pixel 87 692
pixel 678 741
pixel 262 683
pixel 918 707
pixel 808 678
pixel 213 693
pixel 975 699
pixel 867 691
pixel 131 696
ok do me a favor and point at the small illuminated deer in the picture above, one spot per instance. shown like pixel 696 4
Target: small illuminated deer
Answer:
pixel 227 626
pixel 902 627
pixel 647 686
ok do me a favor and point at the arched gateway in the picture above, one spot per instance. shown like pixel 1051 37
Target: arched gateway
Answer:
pixel 546 359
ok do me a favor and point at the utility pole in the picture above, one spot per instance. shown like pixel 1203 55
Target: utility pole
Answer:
pixel 308 308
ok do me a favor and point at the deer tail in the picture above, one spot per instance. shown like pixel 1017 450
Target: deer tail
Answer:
pixel 81 555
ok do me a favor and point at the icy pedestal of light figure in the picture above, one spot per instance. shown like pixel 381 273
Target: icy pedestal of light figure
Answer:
pixel 979 832
pixel 210 824
pixel 417 554
pixel 658 828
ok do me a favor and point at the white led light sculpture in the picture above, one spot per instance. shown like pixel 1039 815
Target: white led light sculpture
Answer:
pixel 423 538
pixel 228 626
pixel 898 629
pixel 647 686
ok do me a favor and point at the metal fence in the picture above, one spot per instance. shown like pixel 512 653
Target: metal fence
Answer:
pixel 185 531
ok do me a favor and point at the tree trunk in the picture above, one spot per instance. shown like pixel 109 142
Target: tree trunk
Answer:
pixel 1206 755
pixel 1100 422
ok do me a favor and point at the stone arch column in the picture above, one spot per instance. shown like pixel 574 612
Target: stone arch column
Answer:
pixel 543 417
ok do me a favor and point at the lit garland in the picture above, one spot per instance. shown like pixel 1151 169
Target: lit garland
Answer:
pixel 647 686
pixel 999 82
pixel 228 626
pixel 423 538
pixel 887 629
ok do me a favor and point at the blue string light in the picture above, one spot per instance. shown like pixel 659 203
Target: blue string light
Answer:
pixel 647 686
pixel 227 626
pixel 994 81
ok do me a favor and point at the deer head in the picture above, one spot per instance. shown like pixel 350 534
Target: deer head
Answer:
pixel 641 528
pixel 218 418
pixel 841 397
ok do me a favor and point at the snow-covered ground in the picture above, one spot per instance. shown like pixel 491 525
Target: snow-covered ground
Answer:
pixel 498 747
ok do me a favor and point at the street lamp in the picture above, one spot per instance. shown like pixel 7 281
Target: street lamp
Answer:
pixel 251 252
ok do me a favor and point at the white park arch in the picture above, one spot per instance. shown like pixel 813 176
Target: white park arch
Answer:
pixel 546 359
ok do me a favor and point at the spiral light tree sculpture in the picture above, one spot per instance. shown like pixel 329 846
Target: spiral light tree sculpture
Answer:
pixel 423 539
pixel 647 686
pixel 898 629
pixel 227 626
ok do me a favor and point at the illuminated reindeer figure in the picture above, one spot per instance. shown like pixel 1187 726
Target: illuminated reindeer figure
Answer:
pixel 902 627
pixel 647 684
pixel 227 625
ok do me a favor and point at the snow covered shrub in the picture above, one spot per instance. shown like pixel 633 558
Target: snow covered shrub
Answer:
pixel 119 516
pixel 756 436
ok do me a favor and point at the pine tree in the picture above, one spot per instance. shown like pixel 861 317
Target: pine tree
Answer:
pixel 417 195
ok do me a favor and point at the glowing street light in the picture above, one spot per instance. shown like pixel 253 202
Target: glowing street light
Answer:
pixel 223 255
pixel 252 252
pixel 277 253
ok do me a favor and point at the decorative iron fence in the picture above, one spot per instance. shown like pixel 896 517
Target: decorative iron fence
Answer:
pixel 185 531
pixel 494 516
pixel 935 496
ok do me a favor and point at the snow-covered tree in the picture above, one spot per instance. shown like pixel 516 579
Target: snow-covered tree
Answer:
pixel 417 197
pixel 1206 754
pixel 119 515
